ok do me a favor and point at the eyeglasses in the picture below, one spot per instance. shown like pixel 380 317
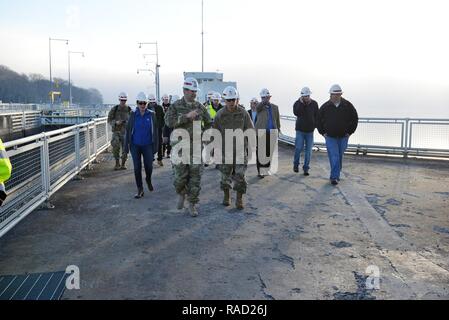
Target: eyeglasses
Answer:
pixel 231 100
pixel 141 103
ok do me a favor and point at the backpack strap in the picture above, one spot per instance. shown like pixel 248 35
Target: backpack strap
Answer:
pixel 115 111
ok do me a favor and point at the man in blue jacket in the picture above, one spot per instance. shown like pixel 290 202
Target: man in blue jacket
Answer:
pixel 338 120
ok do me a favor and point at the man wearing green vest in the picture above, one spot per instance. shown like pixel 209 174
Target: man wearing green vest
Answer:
pixel 5 171
pixel 214 105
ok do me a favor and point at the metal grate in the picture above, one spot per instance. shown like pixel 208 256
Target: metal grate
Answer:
pixel 39 286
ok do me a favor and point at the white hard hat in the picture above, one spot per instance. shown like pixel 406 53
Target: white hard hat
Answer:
pixel 265 93
pixel 190 84
pixel 151 98
pixel 216 96
pixel 165 96
pixel 230 93
pixel 254 100
pixel 123 96
pixel 335 89
pixel 141 97
pixel 210 94
pixel 305 92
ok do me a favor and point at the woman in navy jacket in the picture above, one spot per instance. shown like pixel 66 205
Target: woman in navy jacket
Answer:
pixel 142 140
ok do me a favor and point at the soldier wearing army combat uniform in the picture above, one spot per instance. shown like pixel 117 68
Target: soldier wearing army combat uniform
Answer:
pixel 118 119
pixel 233 117
pixel 181 115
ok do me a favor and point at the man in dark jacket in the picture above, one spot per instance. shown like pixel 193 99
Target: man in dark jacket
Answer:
pixel 253 110
pixel 166 131
pixel 268 120
pixel 160 115
pixel 338 120
pixel 306 112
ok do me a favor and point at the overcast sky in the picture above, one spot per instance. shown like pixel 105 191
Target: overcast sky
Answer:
pixel 390 57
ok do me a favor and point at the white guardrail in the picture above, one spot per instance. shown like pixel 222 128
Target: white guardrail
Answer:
pixel 388 136
pixel 43 163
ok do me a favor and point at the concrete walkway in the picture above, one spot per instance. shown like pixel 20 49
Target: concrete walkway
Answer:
pixel 298 238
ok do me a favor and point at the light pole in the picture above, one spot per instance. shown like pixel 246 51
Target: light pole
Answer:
pixel 70 81
pixel 157 66
pixel 145 70
pixel 49 56
pixel 202 35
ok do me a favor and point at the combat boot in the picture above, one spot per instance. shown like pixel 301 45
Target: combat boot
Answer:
pixel 226 199
pixel 181 200
pixel 193 210
pixel 117 165
pixel 239 201
pixel 123 167
pixel 160 163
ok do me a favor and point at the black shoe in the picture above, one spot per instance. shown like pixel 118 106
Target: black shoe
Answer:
pixel 150 185
pixel 295 169
pixel 260 176
pixel 334 182
pixel 306 173
pixel 206 165
pixel 139 194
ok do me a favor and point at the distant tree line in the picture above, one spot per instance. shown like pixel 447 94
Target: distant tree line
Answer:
pixel 34 88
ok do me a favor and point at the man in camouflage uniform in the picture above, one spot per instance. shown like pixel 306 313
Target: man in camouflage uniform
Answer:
pixel 181 115
pixel 118 119
pixel 233 117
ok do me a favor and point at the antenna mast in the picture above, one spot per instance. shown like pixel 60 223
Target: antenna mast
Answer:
pixel 202 35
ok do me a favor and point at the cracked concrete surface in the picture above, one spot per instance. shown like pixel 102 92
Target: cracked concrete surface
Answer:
pixel 298 237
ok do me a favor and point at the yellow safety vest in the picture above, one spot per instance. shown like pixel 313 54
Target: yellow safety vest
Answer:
pixel 5 164
pixel 211 111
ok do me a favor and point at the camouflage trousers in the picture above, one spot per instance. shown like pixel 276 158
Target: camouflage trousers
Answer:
pixel 234 172
pixel 117 142
pixel 187 178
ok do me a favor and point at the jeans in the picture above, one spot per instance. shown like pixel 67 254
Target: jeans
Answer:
pixel 137 152
pixel 268 152
pixel 159 151
pixel 336 147
pixel 301 139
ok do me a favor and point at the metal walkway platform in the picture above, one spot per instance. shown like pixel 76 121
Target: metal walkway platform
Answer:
pixel 298 237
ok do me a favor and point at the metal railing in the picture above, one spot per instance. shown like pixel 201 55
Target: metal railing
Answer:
pixel 43 163
pixel 78 112
pixel 18 107
pixel 15 125
pixel 395 136
pixel 65 120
